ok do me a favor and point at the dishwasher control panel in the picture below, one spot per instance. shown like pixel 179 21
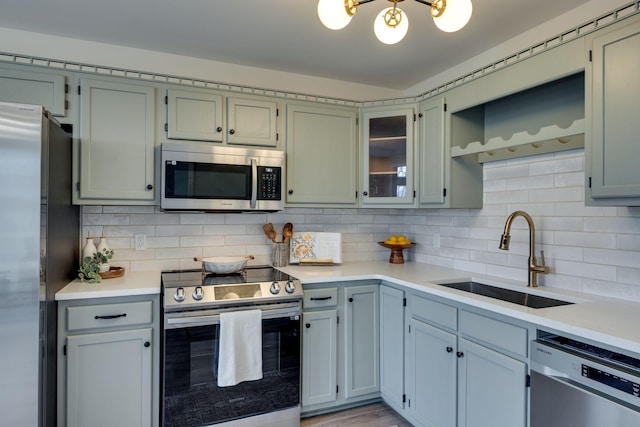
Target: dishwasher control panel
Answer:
pixel 602 370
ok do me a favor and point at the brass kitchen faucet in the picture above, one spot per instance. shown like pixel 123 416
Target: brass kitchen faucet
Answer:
pixel 533 268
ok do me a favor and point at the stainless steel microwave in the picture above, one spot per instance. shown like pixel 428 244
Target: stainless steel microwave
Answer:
pixel 202 177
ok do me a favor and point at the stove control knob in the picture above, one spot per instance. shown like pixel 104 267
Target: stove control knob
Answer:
pixel 275 288
pixel 198 293
pixel 179 295
pixel 290 287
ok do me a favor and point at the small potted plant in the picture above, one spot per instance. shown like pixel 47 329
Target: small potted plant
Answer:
pixel 90 268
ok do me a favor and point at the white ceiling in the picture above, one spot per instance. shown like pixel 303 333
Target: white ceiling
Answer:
pixel 285 34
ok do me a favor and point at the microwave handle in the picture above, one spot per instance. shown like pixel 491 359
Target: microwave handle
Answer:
pixel 254 183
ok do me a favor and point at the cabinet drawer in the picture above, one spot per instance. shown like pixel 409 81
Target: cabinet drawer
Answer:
pixel 326 297
pixel 494 332
pixel 434 312
pixel 109 315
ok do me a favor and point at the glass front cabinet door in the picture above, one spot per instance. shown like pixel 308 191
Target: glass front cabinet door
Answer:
pixel 388 157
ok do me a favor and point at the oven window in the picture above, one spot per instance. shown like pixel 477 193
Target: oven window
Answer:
pixel 191 180
pixel 191 394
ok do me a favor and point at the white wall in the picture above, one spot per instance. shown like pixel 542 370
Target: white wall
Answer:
pixel 589 249
pixel 576 17
pixel 111 56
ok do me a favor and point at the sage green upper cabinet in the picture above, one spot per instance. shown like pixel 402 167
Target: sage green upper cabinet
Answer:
pixel 194 115
pixel 116 144
pixel 252 122
pixel 613 101
pixel 27 86
pixel 387 157
pixel 321 156
pixel 199 115
pixel 431 149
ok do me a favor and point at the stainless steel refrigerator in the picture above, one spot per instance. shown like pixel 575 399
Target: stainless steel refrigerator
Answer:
pixel 39 254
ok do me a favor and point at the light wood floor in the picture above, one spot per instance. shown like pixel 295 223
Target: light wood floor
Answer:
pixel 376 415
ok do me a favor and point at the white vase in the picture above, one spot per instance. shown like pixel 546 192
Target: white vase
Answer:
pixel 102 245
pixel 89 248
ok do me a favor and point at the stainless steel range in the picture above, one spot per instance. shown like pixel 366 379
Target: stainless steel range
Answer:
pixel 193 305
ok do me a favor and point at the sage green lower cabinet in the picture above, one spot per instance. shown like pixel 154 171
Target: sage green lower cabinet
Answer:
pixel 108 362
pixel 340 346
pixel 319 357
pixel 464 368
pixel 392 346
pixel 109 378
pixel 431 385
pixel 361 340
pixel 320 347
pixel 491 388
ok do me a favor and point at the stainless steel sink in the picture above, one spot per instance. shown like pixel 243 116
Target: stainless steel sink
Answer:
pixel 508 295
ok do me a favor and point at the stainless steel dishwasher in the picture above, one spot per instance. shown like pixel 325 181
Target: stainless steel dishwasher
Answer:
pixel 575 384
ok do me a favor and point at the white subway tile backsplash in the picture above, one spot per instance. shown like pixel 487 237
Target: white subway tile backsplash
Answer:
pixel 612 257
pixel 595 249
pixel 585 239
pixel 179 230
pixel 585 270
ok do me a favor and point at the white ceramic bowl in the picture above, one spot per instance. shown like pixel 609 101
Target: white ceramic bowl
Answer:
pixel 224 265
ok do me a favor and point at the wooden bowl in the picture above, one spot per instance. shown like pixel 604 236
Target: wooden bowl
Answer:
pixel 396 256
pixel 113 272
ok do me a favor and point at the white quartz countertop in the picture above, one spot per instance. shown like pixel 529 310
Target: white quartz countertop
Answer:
pixel 605 320
pixel 138 283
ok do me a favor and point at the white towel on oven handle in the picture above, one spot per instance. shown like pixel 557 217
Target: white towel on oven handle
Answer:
pixel 240 354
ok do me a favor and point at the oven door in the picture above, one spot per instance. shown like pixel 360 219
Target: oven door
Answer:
pixel 191 396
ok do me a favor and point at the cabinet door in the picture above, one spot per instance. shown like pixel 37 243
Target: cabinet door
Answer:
pixel 491 388
pixel 321 142
pixel 109 379
pixel 615 90
pixel 392 346
pixel 116 141
pixel 431 151
pixel 319 357
pixel 252 122
pixel 194 115
pixel 30 87
pixel 431 375
pixel 387 169
pixel 361 337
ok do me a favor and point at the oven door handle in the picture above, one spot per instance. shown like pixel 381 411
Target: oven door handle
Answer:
pixel 181 320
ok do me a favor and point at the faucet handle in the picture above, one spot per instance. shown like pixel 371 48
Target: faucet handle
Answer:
pixel 544 268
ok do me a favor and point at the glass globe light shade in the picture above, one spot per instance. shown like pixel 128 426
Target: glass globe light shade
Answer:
pixel 332 14
pixel 455 16
pixel 388 34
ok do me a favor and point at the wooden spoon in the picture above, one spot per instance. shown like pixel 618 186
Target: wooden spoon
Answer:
pixel 287 231
pixel 270 231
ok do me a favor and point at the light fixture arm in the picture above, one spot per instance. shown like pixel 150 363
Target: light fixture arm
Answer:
pixel 437 6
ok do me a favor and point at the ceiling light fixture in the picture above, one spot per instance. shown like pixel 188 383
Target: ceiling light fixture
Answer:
pixel 392 24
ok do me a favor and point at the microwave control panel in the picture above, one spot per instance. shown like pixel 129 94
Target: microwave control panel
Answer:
pixel 269 183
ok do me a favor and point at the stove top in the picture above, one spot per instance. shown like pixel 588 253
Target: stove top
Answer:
pixel 193 289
